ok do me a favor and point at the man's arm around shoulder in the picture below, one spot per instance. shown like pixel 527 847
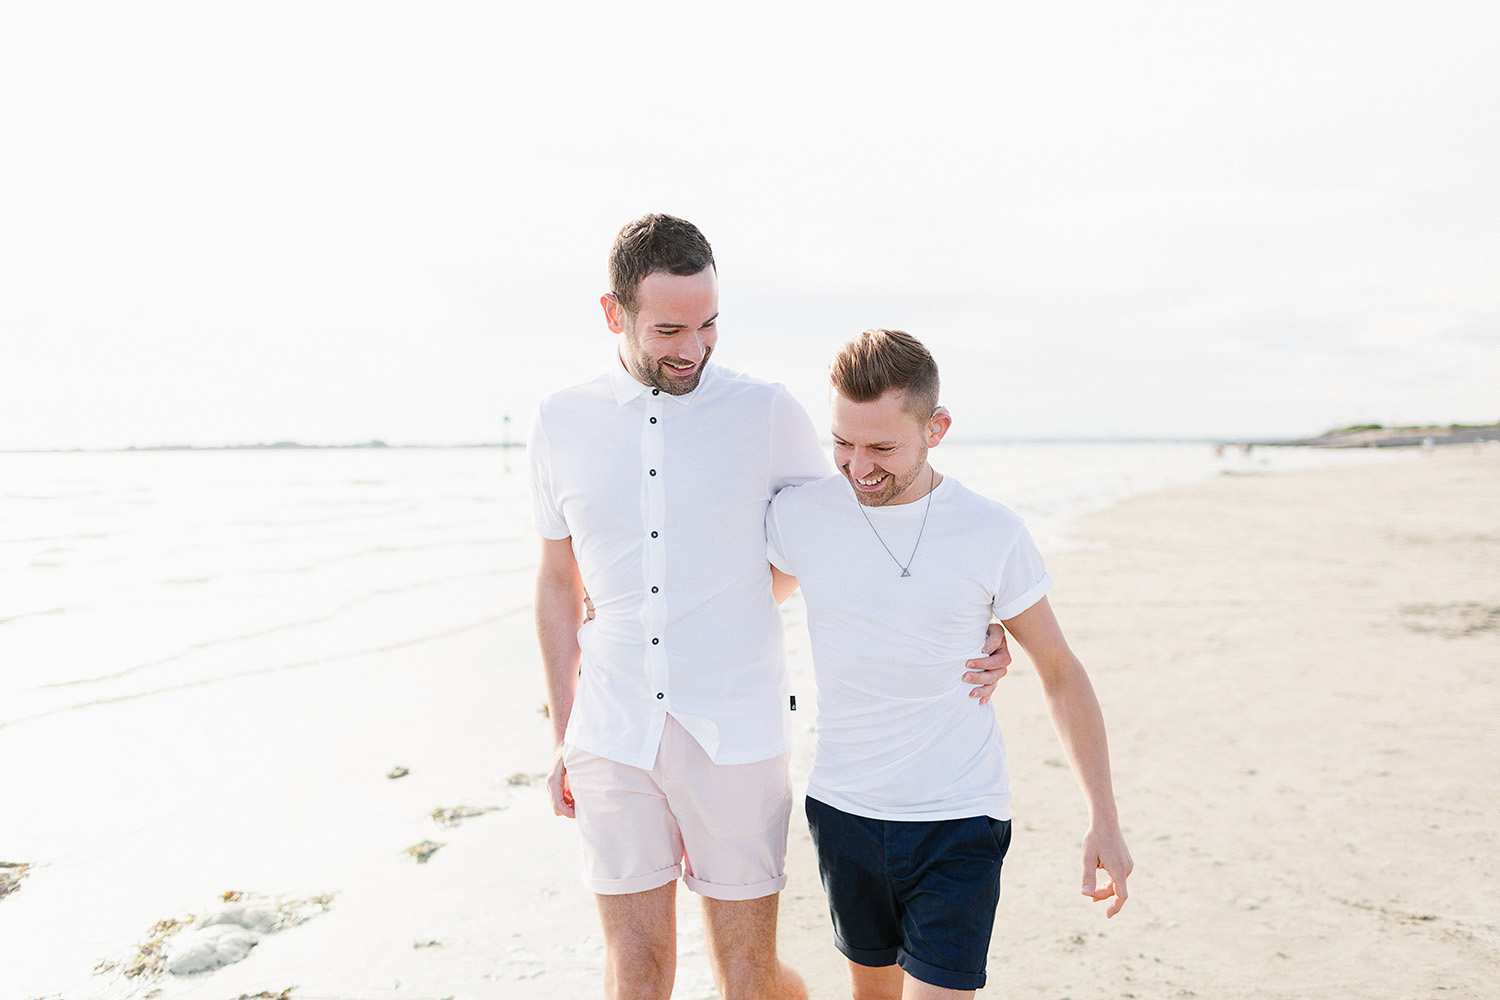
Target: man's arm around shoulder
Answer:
pixel 559 615
pixel 1075 713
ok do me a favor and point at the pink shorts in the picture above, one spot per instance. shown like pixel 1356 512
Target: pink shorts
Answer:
pixel 727 822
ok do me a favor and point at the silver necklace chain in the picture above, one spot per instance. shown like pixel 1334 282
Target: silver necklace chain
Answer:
pixel 905 570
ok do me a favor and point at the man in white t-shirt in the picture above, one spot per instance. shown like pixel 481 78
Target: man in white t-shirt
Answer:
pixel 650 484
pixel 909 796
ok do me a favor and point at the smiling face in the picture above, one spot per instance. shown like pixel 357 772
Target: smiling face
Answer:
pixel 669 338
pixel 881 447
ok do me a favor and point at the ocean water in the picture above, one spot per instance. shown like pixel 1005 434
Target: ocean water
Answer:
pixel 125 574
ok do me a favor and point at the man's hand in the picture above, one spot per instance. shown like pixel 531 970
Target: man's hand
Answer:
pixel 557 787
pixel 985 673
pixel 1106 849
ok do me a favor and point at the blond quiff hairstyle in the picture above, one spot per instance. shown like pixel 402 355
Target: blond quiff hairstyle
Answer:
pixel 875 362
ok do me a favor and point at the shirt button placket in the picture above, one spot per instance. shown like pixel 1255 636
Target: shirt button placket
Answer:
pixel 654 606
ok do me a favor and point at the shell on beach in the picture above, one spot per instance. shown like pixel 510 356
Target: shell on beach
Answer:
pixel 261 917
pixel 204 949
pixel 227 934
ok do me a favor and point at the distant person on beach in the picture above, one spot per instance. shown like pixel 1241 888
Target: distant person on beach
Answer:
pixel 650 484
pixel 909 797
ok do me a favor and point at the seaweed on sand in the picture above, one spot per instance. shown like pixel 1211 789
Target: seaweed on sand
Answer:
pixel 11 874
pixel 150 958
pixel 423 851
pixel 457 814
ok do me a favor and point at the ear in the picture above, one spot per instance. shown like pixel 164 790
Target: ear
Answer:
pixel 614 312
pixel 938 426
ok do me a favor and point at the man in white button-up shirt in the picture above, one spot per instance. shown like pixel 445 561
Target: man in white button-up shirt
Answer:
pixel 650 485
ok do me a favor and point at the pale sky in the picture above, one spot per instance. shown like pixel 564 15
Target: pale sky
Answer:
pixel 341 221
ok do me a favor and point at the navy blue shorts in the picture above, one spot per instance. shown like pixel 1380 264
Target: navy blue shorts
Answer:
pixel 921 895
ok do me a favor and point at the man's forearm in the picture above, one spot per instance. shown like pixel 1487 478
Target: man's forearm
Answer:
pixel 559 614
pixel 1079 722
pixel 1080 726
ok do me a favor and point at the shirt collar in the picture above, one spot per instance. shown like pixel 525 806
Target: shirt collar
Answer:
pixel 627 387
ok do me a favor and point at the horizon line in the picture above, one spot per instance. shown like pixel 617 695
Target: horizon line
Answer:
pixel 378 444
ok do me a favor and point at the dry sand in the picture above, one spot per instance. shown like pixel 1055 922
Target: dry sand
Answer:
pixel 1301 677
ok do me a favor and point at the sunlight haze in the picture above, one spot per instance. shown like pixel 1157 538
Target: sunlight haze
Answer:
pixel 337 222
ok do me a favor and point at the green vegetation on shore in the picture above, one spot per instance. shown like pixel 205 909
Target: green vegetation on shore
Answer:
pixel 1379 436
pixel 1357 428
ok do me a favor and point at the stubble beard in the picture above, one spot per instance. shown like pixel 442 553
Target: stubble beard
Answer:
pixel 656 374
pixel 890 491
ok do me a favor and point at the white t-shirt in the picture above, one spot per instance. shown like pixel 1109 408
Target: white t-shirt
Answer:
pixel 899 737
pixel 665 500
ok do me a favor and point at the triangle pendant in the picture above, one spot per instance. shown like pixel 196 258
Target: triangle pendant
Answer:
pixel 905 573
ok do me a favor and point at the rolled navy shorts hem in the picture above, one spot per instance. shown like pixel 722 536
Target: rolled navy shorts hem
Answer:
pixel 877 959
pixel 934 976
pixel 914 967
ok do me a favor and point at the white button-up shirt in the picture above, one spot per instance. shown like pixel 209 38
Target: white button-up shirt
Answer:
pixel 665 499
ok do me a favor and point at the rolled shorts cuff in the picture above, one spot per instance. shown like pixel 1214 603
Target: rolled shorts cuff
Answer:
pixel 735 893
pixel 934 976
pixel 877 959
pixel 637 883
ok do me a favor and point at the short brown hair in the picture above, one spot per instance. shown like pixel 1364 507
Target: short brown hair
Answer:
pixel 877 361
pixel 654 243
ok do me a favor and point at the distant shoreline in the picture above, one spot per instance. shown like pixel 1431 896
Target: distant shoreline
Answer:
pixel 1396 437
pixel 1366 436
pixel 274 446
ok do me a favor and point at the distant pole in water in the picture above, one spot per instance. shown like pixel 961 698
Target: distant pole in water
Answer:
pixel 505 440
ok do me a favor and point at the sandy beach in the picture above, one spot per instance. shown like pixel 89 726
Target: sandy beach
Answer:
pixel 1300 679
pixel 1300 672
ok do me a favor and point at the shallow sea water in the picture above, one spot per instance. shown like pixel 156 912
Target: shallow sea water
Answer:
pixel 125 573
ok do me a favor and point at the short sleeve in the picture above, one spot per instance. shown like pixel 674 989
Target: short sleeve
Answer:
pixel 1023 578
pixel 774 548
pixel 546 515
pixel 796 455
